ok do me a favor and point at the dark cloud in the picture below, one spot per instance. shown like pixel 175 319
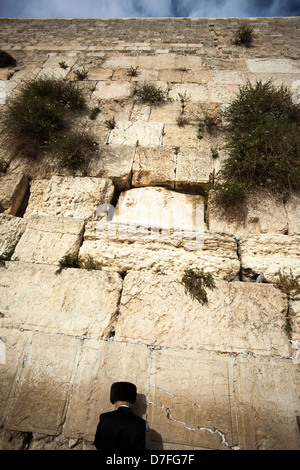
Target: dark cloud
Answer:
pixel 147 8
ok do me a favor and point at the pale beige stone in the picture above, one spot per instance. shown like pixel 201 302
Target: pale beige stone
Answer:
pixel 292 207
pixel 13 190
pixel 68 196
pixel 102 363
pixel 194 91
pixel 175 136
pixel 52 69
pixel 276 66
pixel 49 239
pixel 120 61
pixel 146 134
pixel 217 255
pixel 115 163
pixel 109 90
pixel 74 302
pixel 44 386
pixel 269 253
pixel 261 212
pixel 11 230
pixel 190 400
pixel 16 343
pixel 194 169
pixel 160 210
pixel 154 167
pixel 166 112
pixel 267 393
pixel 238 316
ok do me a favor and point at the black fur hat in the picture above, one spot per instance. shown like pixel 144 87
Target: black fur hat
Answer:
pixel 123 391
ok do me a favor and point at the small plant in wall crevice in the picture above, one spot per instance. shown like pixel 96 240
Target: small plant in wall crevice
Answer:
pixel 196 282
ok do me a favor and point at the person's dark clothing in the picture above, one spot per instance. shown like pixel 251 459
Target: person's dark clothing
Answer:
pixel 120 430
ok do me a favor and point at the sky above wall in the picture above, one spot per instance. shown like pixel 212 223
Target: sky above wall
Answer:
pixel 147 8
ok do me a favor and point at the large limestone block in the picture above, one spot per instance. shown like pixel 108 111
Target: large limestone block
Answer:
pixel 13 188
pixel 191 400
pixel 175 136
pixel 52 68
pixel 49 239
pixel 102 363
pixel 146 134
pixel 195 92
pixel 15 343
pixel 269 253
pixel 155 213
pixel 293 214
pixel 44 386
pixel 109 90
pixel 114 163
pixel 238 317
pixel 262 212
pixel 74 302
pixel 273 66
pixel 154 167
pixel 68 196
pixel 193 169
pixel 267 396
pixel 218 256
pixel 11 230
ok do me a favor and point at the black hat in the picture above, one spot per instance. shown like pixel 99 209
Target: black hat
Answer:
pixel 123 391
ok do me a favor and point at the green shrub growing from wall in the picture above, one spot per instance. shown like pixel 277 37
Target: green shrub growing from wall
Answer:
pixel 38 118
pixel 263 143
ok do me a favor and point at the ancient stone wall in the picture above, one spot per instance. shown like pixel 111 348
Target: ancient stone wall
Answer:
pixel 218 375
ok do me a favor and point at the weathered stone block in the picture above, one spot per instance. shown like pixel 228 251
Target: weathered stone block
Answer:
pixel 16 343
pixel 101 364
pixel 194 92
pixel 269 253
pixel 276 66
pixel 75 302
pixel 267 390
pixel 114 163
pixel 109 90
pixel 238 317
pixel 39 404
pixel 154 167
pixel 193 169
pixel 190 400
pixel 49 239
pixel 175 136
pixel 13 189
pixel 292 207
pixel 11 230
pixel 261 212
pixel 146 134
pixel 68 196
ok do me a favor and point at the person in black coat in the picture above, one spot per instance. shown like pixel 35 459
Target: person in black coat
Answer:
pixel 121 430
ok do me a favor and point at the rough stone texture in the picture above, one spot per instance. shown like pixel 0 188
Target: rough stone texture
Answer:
pixel 262 212
pixel 224 375
pixel 154 167
pixel 218 256
pixel 49 239
pixel 13 189
pixel 76 197
pixel 101 364
pixel 156 310
pixel 11 230
pixel 269 254
pixel 74 302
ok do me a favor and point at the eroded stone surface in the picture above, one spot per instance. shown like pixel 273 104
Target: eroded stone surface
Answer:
pixel 269 254
pixel 49 239
pixel 238 317
pixel 74 302
pixel 67 196
pixel 11 230
pixel 13 189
